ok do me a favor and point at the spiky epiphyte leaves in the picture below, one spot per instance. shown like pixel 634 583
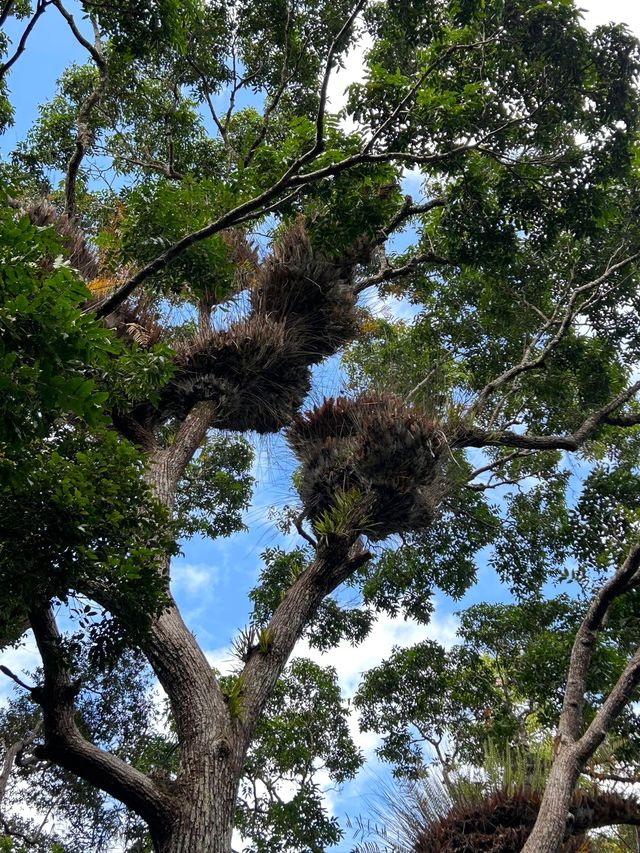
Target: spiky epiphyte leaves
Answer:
pixel 233 688
pixel 491 810
pixel 302 309
pixel 81 257
pixel 300 286
pixel 250 640
pixel 501 823
pixel 374 447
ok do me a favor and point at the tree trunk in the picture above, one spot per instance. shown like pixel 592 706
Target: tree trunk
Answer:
pixel 550 829
pixel 204 823
pixel 212 744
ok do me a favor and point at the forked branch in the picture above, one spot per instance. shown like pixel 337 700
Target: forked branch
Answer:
pixel 554 329
pixel 63 742
pixel 477 437
pixel 574 747
pixel 84 135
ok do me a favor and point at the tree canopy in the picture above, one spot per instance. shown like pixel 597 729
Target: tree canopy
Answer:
pixel 188 230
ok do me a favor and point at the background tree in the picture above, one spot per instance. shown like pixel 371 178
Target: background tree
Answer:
pixel 523 276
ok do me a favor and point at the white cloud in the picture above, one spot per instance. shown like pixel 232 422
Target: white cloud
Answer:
pixel 193 579
pixel 353 71
pixel 222 660
pixel 352 662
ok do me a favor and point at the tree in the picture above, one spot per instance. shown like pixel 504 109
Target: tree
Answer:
pixel 492 810
pixel 523 270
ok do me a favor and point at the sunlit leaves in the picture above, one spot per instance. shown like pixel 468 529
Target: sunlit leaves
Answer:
pixel 158 214
pixel 45 340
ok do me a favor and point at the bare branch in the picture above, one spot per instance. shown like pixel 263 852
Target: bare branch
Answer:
pixel 298 525
pixel 14 677
pixel 40 7
pixel 532 360
pixel 389 273
pixel 498 463
pixel 84 136
pixel 476 437
pixel 222 130
pixel 331 55
pixel 64 743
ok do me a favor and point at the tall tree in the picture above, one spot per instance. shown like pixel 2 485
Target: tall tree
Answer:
pixel 523 270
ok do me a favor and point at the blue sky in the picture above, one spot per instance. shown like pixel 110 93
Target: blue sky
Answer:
pixel 212 579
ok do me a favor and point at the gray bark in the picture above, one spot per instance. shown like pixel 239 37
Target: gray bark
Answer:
pixel 575 746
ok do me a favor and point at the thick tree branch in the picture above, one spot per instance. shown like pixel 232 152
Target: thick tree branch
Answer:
pixel 476 437
pixel 197 701
pixel 200 712
pixel 574 748
pixel 64 744
pixel 585 641
pixel 6 11
pixel 166 465
pixel 333 564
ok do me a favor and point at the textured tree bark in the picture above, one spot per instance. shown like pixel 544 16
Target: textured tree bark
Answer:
pixel 550 829
pixel 575 747
pixel 204 821
pixel 212 744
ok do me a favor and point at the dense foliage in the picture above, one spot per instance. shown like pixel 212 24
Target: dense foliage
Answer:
pixel 186 233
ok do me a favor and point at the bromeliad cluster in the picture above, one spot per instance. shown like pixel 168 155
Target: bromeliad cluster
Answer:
pixel 302 308
pixel 501 823
pixel 384 454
